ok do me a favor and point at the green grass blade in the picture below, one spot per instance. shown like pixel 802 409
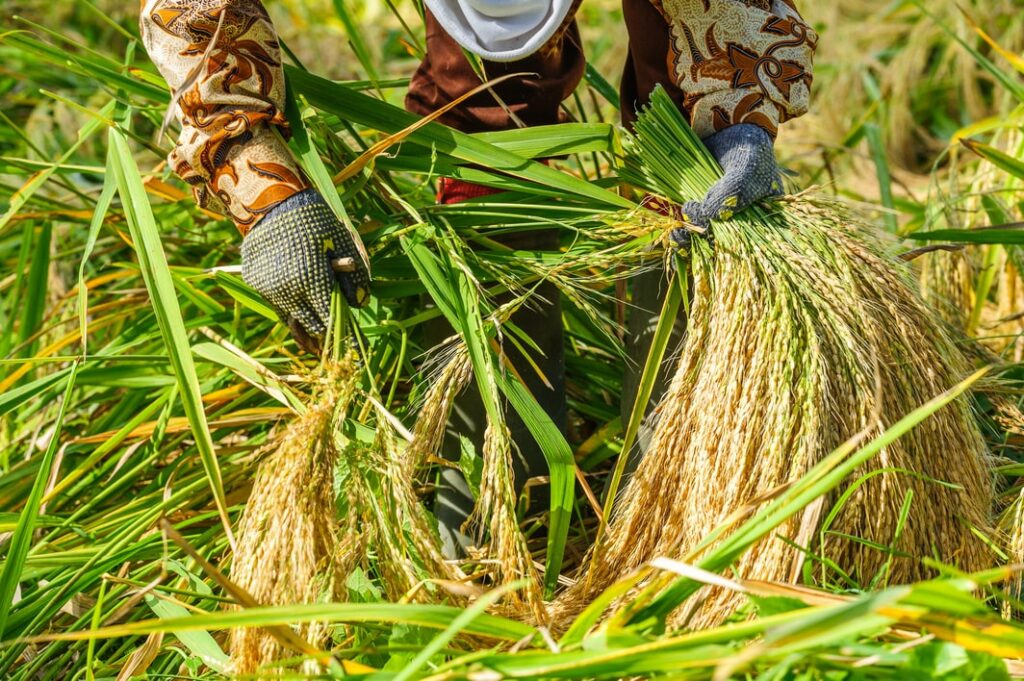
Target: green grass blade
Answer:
pixel 364 110
pixel 37 288
pixel 430 616
pixel 543 141
pixel 562 473
pixel 595 80
pixel 355 39
pixel 880 157
pixel 15 397
pixel 461 621
pixel 457 301
pixel 309 159
pixel 21 540
pixel 983 286
pixel 1003 161
pixel 103 202
pixel 160 284
pixel 1007 235
pixel 652 365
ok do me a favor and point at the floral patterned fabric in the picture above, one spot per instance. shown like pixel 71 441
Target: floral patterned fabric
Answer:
pixel 734 61
pixel 740 61
pixel 230 102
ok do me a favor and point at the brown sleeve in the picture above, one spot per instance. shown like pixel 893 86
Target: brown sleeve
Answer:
pixel 229 99
pixel 740 61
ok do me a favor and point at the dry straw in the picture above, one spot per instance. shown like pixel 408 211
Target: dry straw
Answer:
pixel 803 332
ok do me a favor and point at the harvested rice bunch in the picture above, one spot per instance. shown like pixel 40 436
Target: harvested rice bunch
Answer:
pixel 296 545
pixel 803 333
pixel 288 543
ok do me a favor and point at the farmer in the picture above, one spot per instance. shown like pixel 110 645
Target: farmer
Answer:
pixel 736 68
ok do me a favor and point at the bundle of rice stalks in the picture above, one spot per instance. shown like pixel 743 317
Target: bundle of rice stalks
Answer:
pixel 296 545
pixel 802 334
pixel 288 544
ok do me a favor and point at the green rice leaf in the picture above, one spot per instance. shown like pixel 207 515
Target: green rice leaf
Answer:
pixel 21 539
pixel 160 284
pixel 1004 234
pixel 430 616
pixel 364 110
pixel 1003 161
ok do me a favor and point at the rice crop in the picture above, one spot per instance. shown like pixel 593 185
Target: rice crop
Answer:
pixel 803 332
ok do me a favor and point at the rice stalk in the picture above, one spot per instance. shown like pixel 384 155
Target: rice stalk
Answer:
pixel 802 333
pixel 947 284
pixel 407 546
pixel 898 58
pixel 991 197
pixel 288 546
pixel 495 512
pixel 428 433
pixel 1009 417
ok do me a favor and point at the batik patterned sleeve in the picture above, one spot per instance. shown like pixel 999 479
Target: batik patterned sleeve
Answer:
pixel 229 99
pixel 740 61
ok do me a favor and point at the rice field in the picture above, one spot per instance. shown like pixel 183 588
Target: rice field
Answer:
pixel 833 487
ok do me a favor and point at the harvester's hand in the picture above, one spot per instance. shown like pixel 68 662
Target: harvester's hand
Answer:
pixel 747 157
pixel 288 256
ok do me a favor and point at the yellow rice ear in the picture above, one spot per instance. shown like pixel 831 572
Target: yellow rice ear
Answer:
pixel 794 345
pixel 287 550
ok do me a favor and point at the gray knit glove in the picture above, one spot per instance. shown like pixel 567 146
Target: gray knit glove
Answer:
pixel 747 157
pixel 287 258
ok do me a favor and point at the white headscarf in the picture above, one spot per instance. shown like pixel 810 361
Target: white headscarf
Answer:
pixel 500 30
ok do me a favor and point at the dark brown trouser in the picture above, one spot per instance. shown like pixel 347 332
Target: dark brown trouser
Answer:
pixel 444 75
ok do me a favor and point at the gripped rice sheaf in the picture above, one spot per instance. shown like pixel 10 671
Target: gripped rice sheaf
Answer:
pixel 803 333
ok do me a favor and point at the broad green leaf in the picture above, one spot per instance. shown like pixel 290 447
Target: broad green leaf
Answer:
pixel 160 284
pixel 364 110
pixel 198 642
pixel 543 141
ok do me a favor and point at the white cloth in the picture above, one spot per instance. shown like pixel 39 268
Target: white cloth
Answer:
pixel 500 30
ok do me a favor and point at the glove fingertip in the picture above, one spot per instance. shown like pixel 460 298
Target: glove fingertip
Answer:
pixel 681 238
pixel 694 213
pixel 356 294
